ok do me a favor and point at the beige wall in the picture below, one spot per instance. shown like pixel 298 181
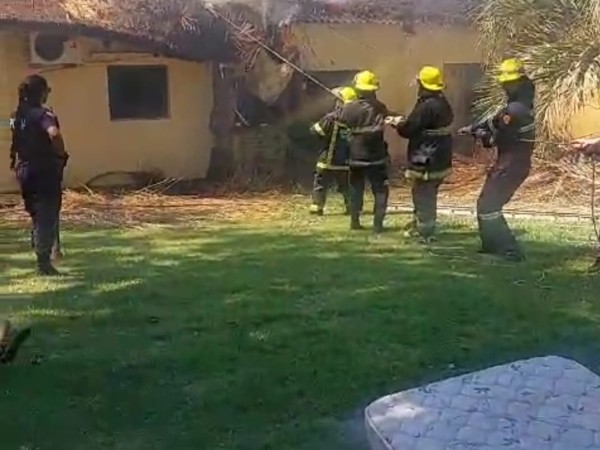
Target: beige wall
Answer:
pixel 179 146
pixel 387 50
pixel 587 122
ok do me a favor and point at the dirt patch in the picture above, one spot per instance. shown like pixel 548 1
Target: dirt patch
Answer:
pixel 550 188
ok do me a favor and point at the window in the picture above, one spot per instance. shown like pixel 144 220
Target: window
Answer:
pixel 138 92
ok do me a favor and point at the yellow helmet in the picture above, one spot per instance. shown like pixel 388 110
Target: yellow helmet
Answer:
pixel 366 81
pixel 431 78
pixel 345 93
pixel 510 70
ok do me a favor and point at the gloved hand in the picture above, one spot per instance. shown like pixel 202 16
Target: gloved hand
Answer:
pixel 590 146
pixel 464 131
pixel 394 121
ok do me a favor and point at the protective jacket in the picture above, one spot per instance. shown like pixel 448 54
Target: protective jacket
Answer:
pixel 333 133
pixel 365 122
pixel 427 128
pixel 31 145
pixel 512 128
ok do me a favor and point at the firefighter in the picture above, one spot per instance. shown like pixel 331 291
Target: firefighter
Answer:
pixel 365 120
pixel 429 155
pixel 332 165
pixel 11 341
pixel 39 160
pixel 512 131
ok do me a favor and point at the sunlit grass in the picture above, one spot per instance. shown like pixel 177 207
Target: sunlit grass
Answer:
pixel 270 335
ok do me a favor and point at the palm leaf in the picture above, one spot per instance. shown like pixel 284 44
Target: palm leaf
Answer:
pixel 559 42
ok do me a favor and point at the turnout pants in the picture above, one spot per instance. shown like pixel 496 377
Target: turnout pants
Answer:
pixel 323 180
pixel 499 187
pixel 424 197
pixel 377 176
pixel 42 195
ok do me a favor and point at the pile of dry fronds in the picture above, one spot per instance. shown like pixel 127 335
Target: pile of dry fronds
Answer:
pixel 176 24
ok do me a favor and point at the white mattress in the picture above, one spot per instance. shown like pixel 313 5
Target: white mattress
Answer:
pixel 548 403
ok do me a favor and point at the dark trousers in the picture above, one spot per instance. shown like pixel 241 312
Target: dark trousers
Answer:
pixel 498 189
pixel 42 196
pixel 323 181
pixel 377 176
pixel 424 197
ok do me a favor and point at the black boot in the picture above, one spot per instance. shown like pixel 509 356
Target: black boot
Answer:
pixel 5 329
pixel 355 223
pixel 15 342
pixel 45 267
pixel 514 255
pixel 378 225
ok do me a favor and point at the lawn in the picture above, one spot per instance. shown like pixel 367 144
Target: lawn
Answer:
pixel 254 334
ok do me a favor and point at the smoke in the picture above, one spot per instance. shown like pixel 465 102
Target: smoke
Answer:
pixel 280 11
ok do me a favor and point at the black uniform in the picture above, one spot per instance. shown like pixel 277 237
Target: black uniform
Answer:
pixel 365 119
pixel 332 166
pixel 429 155
pixel 28 200
pixel 39 171
pixel 512 131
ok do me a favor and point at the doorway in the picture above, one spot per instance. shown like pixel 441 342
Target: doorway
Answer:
pixel 461 79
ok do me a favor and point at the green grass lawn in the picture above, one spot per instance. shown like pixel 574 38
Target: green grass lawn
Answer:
pixel 217 335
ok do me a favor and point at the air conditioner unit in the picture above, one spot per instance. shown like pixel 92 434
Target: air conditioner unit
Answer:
pixel 52 49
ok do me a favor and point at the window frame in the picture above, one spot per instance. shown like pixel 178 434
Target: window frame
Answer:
pixel 166 115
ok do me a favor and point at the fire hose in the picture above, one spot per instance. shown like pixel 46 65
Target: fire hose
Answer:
pixel 395 120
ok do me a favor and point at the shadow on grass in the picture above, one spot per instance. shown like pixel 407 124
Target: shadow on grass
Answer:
pixel 238 338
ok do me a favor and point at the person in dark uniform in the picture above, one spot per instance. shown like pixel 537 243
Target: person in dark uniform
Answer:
pixel 365 120
pixel 332 165
pixel 39 158
pixel 512 131
pixel 56 247
pixel 429 155
pixel 590 148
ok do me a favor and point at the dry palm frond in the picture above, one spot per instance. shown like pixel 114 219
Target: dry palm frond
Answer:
pixel 559 42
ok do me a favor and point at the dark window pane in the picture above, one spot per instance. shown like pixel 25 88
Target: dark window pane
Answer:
pixel 138 92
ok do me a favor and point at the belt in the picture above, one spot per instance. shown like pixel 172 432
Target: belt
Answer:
pixel 443 131
pixel 427 175
pixel 327 166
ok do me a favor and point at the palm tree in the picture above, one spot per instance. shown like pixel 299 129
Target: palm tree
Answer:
pixel 559 42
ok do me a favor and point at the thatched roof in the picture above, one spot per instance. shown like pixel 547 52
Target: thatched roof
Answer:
pixel 381 11
pixel 181 28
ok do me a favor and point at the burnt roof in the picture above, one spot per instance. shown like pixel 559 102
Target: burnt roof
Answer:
pixel 171 28
pixel 382 11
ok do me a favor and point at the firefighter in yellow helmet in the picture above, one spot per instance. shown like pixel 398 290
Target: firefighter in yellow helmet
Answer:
pixel 427 129
pixel 512 131
pixel 332 165
pixel 365 120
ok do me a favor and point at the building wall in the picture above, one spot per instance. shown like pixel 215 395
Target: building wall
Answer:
pixel 179 146
pixel 391 53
